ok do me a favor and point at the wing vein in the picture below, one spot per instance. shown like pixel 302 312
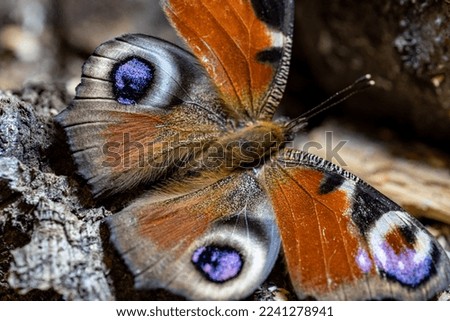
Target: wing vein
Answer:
pixel 241 52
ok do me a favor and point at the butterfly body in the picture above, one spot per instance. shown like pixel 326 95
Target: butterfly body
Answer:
pixel 224 194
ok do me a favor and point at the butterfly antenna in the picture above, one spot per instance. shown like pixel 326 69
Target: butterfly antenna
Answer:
pixel 359 85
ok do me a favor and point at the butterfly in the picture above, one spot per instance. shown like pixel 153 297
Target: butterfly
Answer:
pixel 222 194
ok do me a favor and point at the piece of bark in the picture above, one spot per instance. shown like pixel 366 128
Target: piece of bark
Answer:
pixel 65 250
pixel 50 237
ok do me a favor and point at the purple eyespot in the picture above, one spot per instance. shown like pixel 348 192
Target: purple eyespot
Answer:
pixel 408 267
pixel 217 263
pixel 131 79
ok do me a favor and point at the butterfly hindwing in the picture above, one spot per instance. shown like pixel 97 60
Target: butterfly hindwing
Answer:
pixel 245 46
pixel 219 242
pixel 342 239
pixel 142 106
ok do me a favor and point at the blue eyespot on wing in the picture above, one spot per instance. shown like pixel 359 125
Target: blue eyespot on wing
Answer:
pixel 217 243
pixel 131 80
pixel 217 263
pixel 343 240
pixel 134 91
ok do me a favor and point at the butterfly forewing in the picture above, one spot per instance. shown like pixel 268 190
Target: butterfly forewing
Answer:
pixel 244 46
pixel 344 240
